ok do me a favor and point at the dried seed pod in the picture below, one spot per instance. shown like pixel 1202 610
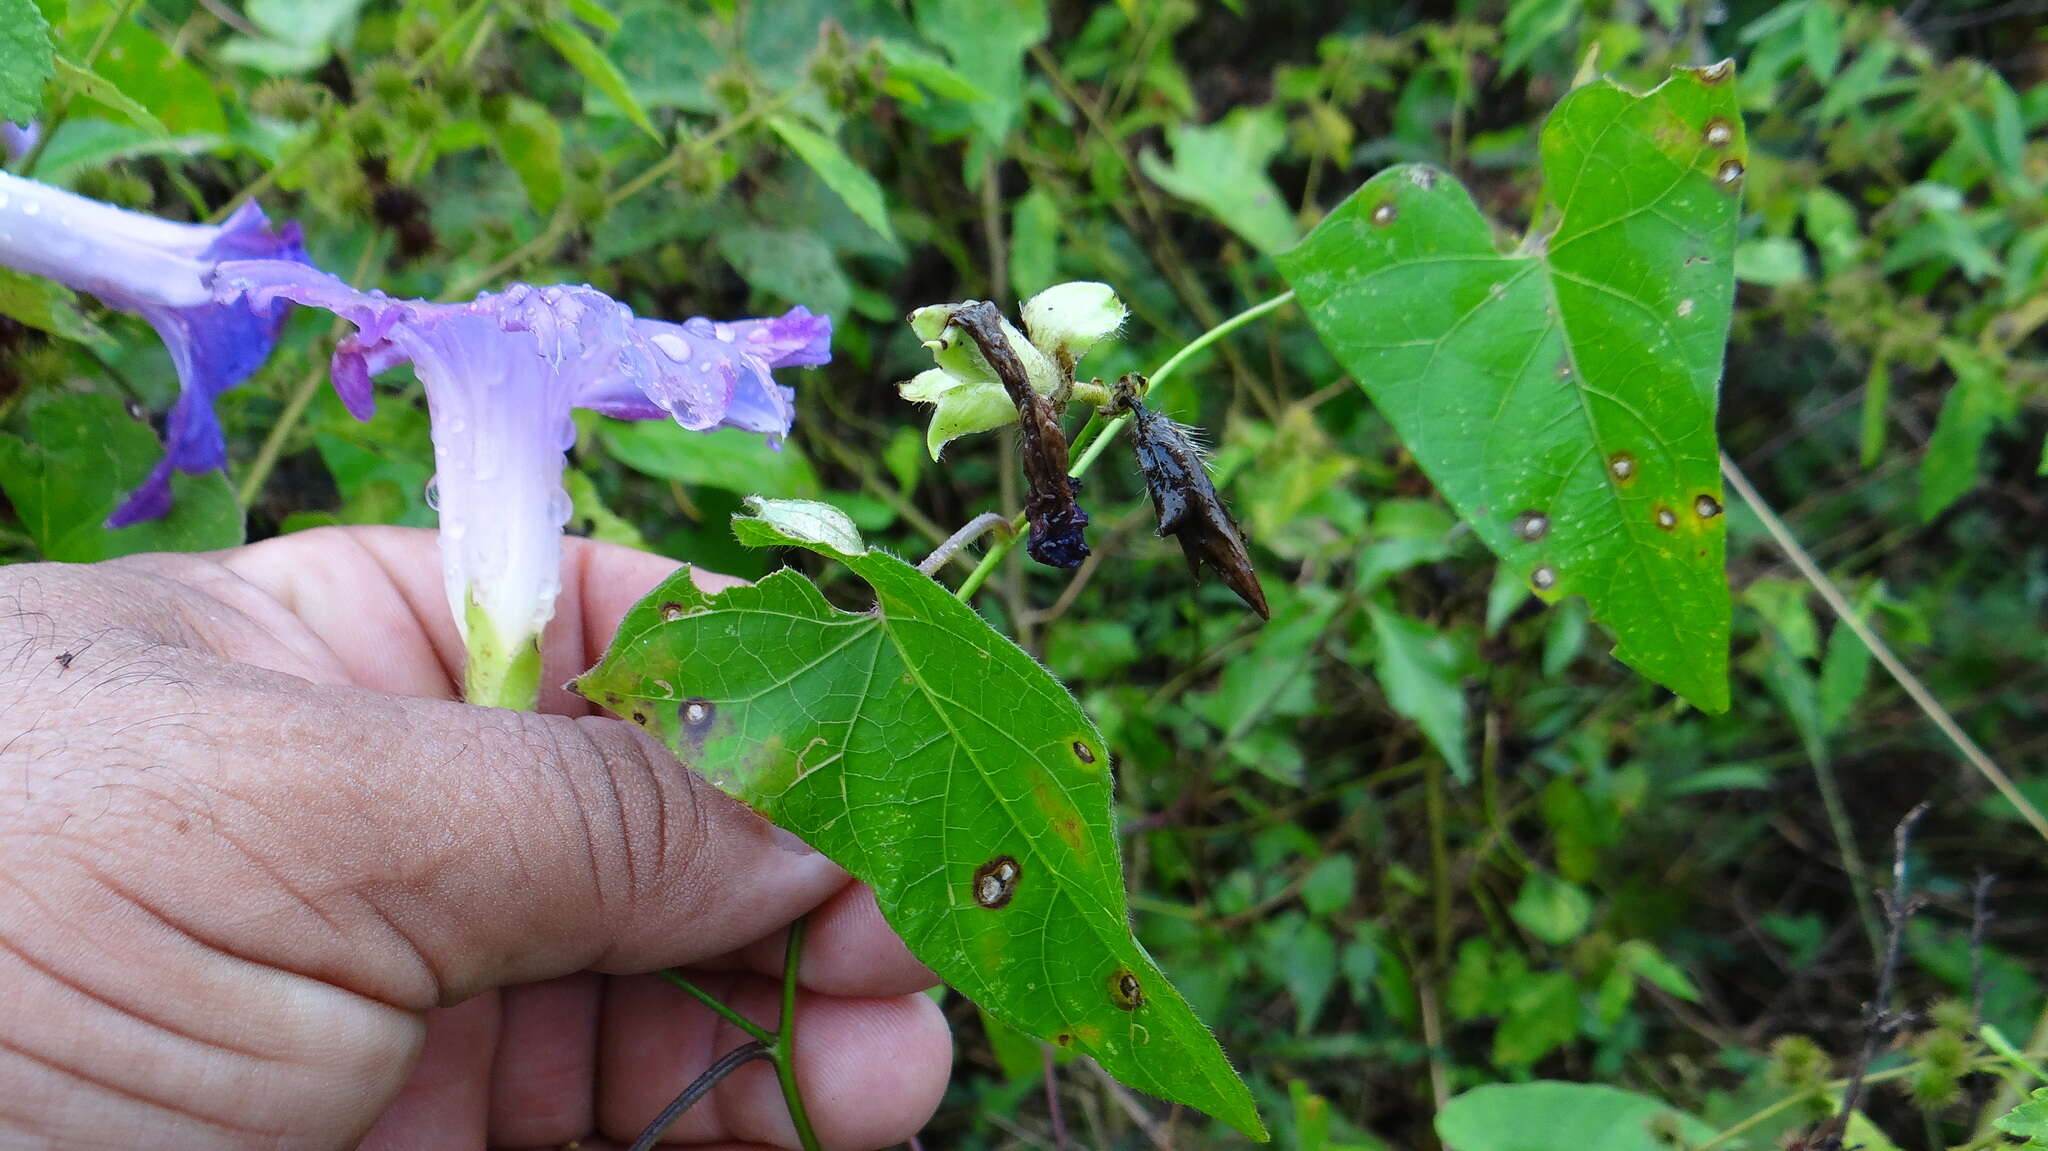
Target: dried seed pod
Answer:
pixel 1185 500
pixel 1056 519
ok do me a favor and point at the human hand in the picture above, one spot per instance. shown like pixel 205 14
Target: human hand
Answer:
pixel 264 883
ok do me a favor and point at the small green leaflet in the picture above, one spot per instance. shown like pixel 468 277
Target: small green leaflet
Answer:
pixel 587 58
pixel 940 764
pixel 848 180
pixel 1562 396
pixel 25 60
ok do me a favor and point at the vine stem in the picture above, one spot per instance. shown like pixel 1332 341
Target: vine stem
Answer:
pixel 1111 429
pixel 713 1075
pixel 777 1046
pixel 1900 673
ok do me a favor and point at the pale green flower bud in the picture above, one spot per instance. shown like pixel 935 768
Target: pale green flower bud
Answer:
pixel 1068 319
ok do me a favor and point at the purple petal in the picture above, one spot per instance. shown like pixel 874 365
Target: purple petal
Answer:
pixel 17 139
pixel 156 269
pixel 795 339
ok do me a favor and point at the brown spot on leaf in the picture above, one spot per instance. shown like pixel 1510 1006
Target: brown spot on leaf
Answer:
pixel 1125 991
pixel 1666 518
pixel 639 717
pixel 1706 506
pixel 697 714
pixel 1384 215
pixel 1083 752
pixel 996 881
pixel 1622 466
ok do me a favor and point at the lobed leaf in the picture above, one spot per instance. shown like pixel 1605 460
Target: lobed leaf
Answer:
pixel 1562 395
pixel 938 763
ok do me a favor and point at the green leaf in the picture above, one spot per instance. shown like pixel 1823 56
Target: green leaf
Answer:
pixel 1551 909
pixel 82 456
pixel 1772 261
pixel 596 67
pixel 589 513
pixel 47 306
pixel 795 265
pixel 95 87
pixel 25 60
pixel 1419 671
pixel 1222 167
pixel 1542 1015
pixel 731 459
pixel 2028 1121
pixel 987 40
pixel 1979 399
pixel 1034 243
pixel 937 762
pixel 848 180
pixel 145 72
pixel 1562 396
pixel 1553 1116
pixel 530 140
pixel 1844 673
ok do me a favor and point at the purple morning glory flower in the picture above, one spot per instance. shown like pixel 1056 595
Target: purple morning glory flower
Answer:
pixel 159 270
pixel 502 373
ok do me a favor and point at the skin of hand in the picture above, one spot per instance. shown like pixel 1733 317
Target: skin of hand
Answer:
pixel 265 883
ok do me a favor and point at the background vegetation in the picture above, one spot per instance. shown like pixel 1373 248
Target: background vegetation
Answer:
pixel 1571 875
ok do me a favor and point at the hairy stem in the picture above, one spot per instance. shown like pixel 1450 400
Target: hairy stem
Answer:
pixel 1088 455
pixel 1839 604
pixel 969 532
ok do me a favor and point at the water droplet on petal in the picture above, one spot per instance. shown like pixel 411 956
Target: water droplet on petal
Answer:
pixel 31 208
pixel 673 346
pixel 1543 578
pixel 1532 525
pixel 1384 215
pixel 1705 506
pixel 1622 466
pixel 723 332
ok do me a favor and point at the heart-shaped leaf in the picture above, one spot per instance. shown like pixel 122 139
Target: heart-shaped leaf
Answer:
pixel 1562 395
pixel 940 764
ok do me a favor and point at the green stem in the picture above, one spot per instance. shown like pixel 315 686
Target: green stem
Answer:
pixel 728 1014
pixel 785 1040
pixel 1095 447
pixel 780 1043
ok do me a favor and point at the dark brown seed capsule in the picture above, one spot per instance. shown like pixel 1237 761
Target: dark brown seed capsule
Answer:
pixel 1185 499
pixel 1056 519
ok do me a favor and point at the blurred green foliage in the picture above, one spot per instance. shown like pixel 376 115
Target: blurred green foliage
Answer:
pixel 1417 840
